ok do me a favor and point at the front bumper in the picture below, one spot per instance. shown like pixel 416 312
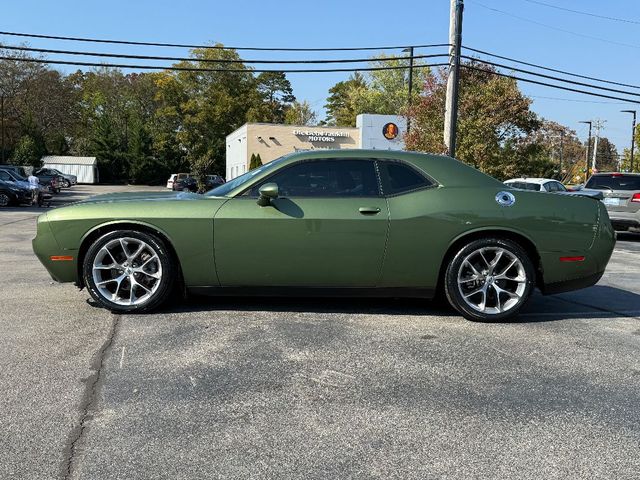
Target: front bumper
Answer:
pixel 54 258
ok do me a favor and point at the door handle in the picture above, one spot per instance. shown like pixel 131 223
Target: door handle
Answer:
pixel 369 210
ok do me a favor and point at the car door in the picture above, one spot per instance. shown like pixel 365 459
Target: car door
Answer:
pixel 327 228
pixel 417 223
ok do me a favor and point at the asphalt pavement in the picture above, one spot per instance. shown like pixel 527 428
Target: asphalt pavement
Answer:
pixel 304 388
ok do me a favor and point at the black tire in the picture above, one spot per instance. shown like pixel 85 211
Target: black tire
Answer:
pixel 5 199
pixel 66 184
pixel 523 287
pixel 165 283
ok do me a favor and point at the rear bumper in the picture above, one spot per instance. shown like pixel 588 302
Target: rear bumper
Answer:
pixel 573 284
pixel 625 220
pixel 562 276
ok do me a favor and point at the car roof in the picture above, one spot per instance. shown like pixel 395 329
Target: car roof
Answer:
pixel 537 180
pixel 445 170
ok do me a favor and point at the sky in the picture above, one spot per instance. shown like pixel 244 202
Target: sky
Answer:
pixel 522 29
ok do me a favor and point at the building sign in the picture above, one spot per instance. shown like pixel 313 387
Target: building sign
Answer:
pixel 313 136
pixel 390 131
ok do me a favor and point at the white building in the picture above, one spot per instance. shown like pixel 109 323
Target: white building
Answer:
pixel 271 141
pixel 85 168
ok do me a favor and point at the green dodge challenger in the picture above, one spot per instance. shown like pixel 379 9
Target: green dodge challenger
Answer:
pixel 333 223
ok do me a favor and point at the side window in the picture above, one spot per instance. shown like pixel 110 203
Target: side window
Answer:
pixel 549 187
pixel 560 187
pixel 5 176
pixel 400 178
pixel 326 178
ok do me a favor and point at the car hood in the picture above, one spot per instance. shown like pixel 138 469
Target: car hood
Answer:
pixel 140 196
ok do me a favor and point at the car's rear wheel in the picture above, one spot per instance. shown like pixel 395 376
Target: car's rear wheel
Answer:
pixel 489 279
pixel 5 199
pixel 129 271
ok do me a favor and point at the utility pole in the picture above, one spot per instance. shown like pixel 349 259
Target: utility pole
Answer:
pixel 633 135
pixel 410 52
pixel 586 172
pixel 2 123
pixel 561 148
pixel 451 106
pixel 598 125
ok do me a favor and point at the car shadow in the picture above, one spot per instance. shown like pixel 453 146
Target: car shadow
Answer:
pixel 600 301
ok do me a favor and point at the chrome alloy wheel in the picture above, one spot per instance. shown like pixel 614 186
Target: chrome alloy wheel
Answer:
pixel 492 280
pixel 127 271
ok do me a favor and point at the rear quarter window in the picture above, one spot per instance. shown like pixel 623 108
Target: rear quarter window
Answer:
pixel 400 178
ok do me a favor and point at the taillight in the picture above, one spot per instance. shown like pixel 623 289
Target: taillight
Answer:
pixel 636 198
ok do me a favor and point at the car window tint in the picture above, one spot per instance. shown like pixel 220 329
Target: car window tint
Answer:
pixel 525 186
pixel 4 176
pixel 560 187
pixel 326 178
pixel 399 178
pixel 550 187
pixel 614 182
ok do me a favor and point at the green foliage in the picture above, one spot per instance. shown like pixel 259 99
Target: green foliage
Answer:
pixel 276 95
pixel 496 128
pixel 300 113
pixel 381 91
pixel 255 161
pixel 27 153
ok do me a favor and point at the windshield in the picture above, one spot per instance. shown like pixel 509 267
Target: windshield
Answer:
pixel 225 188
pixel 614 182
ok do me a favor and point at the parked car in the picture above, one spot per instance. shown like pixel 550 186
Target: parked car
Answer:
pixel 40 196
pixel 333 222
pixel 66 181
pixel 621 197
pixel 49 177
pixel 18 170
pixel 172 179
pixel 190 184
pixel 549 185
pixel 12 194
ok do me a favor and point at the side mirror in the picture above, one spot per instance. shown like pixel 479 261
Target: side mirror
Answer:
pixel 268 192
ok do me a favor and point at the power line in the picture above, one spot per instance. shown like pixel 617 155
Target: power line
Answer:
pixel 550 69
pixel 551 77
pixel 576 100
pixel 559 87
pixel 580 12
pixel 207 60
pixel 196 69
pixel 217 47
pixel 583 35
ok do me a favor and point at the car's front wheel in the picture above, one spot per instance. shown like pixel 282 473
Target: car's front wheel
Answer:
pixel 129 271
pixel 489 279
pixel 66 184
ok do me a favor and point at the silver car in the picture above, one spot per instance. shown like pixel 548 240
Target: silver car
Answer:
pixel 621 197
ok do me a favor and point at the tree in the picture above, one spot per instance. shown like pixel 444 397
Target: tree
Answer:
pixel 255 161
pixel 494 121
pixel 606 156
pixel 277 96
pixel 380 91
pixel 27 153
pixel 300 114
pixel 341 111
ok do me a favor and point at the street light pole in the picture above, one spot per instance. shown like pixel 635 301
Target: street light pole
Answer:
pixel 586 174
pixel 633 135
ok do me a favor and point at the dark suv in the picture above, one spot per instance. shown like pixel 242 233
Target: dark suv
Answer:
pixel 621 197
